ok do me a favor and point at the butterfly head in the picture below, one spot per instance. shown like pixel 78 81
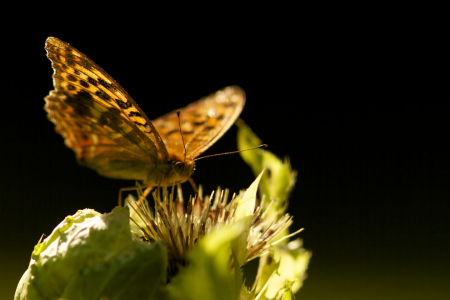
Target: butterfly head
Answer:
pixel 180 172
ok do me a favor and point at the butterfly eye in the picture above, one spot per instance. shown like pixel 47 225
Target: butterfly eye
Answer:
pixel 179 167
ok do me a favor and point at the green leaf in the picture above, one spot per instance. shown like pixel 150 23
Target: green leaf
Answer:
pixel 293 263
pixel 267 267
pixel 86 257
pixel 246 204
pixel 209 274
pixel 246 294
pixel 286 266
pixel 137 273
pixel 246 139
pixel 279 178
pixel 287 294
pixel 244 214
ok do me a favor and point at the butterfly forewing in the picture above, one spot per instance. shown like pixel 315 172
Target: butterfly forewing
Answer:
pixel 202 122
pixel 78 76
pixel 92 112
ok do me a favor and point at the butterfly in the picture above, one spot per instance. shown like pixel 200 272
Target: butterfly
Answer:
pixel 109 133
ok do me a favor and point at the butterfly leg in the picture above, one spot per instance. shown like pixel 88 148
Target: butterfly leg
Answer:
pixel 133 188
pixel 159 186
pixel 193 185
pixel 145 194
pixel 197 194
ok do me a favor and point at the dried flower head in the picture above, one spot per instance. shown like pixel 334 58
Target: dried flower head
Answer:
pixel 180 228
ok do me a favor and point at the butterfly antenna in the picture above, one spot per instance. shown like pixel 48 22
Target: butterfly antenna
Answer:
pixel 226 153
pixel 182 138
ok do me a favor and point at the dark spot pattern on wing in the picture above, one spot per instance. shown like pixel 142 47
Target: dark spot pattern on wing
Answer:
pixel 103 95
pixel 79 116
pixel 122 104
pixel 70 77
pixel 81 104
pixel 84 84
pixel 202 122
pixel 134 114
pixel 92 81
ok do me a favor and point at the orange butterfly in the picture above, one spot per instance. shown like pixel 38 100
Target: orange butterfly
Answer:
pixel 109 133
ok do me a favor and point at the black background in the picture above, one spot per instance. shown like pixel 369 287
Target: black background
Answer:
pixel 356 105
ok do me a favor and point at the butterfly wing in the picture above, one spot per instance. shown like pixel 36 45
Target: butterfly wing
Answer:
pixel 202 122
pixel 99 121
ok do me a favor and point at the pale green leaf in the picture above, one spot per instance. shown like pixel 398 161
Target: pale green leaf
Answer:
pixel 287 294
pixel 294 262
pixel 209 274
pixel 246 139
pixel 267 267
pixel 246 204
pixel 278 180
pixel 86 257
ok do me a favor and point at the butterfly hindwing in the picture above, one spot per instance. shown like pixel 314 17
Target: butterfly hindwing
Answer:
pixel 202 122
